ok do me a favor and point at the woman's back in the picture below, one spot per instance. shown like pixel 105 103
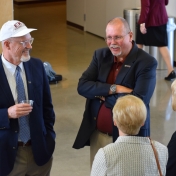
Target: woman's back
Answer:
pixel 130 155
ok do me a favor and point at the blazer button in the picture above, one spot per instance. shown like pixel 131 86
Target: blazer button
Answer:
pixel 14 148
pixel 16 131
pixel 100 101
pixel 95 118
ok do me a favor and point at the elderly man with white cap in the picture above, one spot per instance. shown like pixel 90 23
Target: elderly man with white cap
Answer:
pixel 27 137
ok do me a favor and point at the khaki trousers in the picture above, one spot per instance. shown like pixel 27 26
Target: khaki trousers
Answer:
pixel 98 140
pixel 26 166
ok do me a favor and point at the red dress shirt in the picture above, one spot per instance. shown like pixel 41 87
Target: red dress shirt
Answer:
pixel 104 120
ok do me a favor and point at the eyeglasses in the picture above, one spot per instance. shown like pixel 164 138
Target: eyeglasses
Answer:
pixel 115 38
pixel 25 43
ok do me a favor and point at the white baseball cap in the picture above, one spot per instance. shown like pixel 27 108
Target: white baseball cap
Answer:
pixel 14 28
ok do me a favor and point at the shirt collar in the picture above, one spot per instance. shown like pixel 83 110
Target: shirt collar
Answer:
pixel 11 67
pixel 115 60
pixel 133 139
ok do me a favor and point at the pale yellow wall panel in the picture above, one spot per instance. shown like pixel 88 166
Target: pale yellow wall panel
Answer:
pixel 6 12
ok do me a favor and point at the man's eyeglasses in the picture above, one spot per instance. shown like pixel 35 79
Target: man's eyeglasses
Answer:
pixel 25 43
pixel 115 38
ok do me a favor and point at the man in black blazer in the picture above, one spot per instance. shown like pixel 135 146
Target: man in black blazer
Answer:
pixel 33 157
pixel 121 68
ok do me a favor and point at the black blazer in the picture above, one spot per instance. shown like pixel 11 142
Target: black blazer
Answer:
pixel 171 164
pixel 138 72
pixel 41 118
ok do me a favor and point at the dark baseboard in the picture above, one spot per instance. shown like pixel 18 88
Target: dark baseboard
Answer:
pixel 75 25
pixel 81 28
pixel 33 2
pixel 95 35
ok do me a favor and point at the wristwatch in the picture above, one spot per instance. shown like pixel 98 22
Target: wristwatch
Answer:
pixel 113 88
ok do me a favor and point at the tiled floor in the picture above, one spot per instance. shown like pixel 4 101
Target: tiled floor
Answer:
pixel 69 51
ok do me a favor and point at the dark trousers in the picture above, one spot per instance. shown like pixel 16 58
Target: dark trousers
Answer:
pixel 171 164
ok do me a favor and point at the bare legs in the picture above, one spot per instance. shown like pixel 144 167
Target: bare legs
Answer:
pixel 166 56
pixel 140 46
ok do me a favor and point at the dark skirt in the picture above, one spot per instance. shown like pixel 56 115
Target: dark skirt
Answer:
pixel 155 36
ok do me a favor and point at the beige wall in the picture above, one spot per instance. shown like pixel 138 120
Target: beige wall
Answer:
pixel 6 12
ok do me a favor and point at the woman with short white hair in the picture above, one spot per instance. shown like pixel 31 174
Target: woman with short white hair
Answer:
pixel 130 155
